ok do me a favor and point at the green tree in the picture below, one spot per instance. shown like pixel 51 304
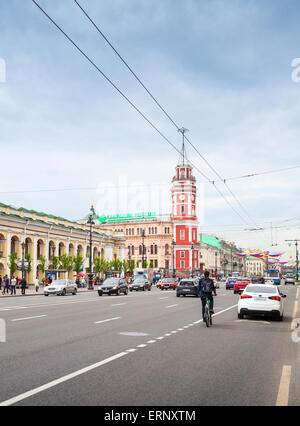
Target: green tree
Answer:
pixel 12 263
pixel 145 264
pixel 131 266
pixel 97 265
pixel 28 259
pixel 78 263
pixel 67 262
pixel 56 262
pixel 42 265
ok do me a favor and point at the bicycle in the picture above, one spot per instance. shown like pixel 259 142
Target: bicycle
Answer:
pixel 207 313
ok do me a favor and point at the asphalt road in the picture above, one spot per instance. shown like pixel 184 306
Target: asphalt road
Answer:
pixel 147 348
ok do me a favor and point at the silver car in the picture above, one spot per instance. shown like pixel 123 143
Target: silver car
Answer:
pixel 61 288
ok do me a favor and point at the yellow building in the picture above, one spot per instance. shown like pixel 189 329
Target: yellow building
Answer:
pixel 48 236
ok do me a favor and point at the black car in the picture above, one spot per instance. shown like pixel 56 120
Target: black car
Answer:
pixel 140 284
pixel 113 286
pixel 188 287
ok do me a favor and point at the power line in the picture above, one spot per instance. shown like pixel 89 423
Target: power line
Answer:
pixel 164 111
pixel 133 105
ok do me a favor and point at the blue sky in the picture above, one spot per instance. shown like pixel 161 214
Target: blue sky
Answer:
pixel 222 69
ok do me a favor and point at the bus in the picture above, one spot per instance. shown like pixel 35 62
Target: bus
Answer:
pixel 274 274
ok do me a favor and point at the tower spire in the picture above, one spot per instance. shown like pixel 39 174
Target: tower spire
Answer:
pixel 183 131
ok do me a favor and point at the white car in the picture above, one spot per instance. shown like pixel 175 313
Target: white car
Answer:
pixel 61 288
pixel 261 299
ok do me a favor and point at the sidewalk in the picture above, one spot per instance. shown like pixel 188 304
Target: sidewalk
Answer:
pixel 31 292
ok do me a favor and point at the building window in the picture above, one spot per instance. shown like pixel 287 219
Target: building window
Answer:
pixel 182 235
pixel 151 248
pixel 155 249
pixel 182 254
pixel 182 209
pixel 155 263
pixel 138 231
pixel 132 231
pixel 126 231
pixel 182 264
pixel 155 230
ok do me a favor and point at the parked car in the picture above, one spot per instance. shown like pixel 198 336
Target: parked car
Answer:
pixel 230 283
pixel 113 286
pixel 241 284
pixel 140 284
pixel 169 283
pixel 187 287
pixel 61 288
pixel 261 299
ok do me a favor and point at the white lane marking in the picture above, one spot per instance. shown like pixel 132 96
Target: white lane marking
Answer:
pixel 63 379
pixel 77 373
pixel 294 315
pixel 284 387
pixel 106 320
pixel 28 318
pixel 118 304
pixel 254 321
pixel 171 306
pixel 160 338
pixel 131 350
pixel 151 341
pixel 174 332
pixel 179 329
pixel 162 298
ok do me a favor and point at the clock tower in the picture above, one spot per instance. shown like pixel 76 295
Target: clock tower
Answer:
pixel 184 217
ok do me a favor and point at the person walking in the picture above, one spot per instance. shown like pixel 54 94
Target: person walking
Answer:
pixel 36 285
pixel 5 284
pixel 23 285
pixel 13 283
pixel 0 283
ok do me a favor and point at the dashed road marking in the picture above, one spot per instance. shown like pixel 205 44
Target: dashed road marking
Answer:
pixel 171 306
pixel 28 318
pixel 284 387
pixel 107 320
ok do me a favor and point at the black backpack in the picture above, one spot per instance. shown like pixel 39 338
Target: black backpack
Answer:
pixel 207 285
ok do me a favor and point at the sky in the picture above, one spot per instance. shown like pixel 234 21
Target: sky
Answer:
pixel 220 68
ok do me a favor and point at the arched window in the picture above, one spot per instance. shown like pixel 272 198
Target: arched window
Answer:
pixel 155 249
pixel 167 249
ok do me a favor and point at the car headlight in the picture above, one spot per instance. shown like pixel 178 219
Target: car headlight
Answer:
pixel 114 288
pixel 99 287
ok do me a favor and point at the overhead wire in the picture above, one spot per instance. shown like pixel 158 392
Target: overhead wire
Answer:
pixel 133 105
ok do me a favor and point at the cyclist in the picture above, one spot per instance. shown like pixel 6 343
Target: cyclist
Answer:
pixel 206 289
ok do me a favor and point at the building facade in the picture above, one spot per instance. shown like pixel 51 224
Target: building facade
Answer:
pixel 48 236
pixel 255 266
pixel 154 233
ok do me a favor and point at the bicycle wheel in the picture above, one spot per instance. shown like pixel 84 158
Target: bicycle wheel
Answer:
pixel 207 316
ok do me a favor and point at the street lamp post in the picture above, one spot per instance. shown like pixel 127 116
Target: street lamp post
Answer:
pixel 143 247
pixel 192 248
pixel 91 223
pixel 23 258
pixel 174 266
pixel 53 252
pixel 216 263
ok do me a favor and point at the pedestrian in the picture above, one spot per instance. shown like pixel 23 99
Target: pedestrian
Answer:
pixel 43 282
pixel 36 285
pixel 0 283
pixel 5 284
pixel 13 283
pixel 23 285
pixel 77 282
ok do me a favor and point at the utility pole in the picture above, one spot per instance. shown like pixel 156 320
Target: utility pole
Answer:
pixel 297 256
pixel 143 247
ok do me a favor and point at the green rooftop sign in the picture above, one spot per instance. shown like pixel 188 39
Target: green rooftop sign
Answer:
pixel 211 241
pixel 119 218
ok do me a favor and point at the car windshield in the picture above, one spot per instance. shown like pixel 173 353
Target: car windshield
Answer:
pixel 59 282
pixel 260 289
pixel 111 281
pixel 168 280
